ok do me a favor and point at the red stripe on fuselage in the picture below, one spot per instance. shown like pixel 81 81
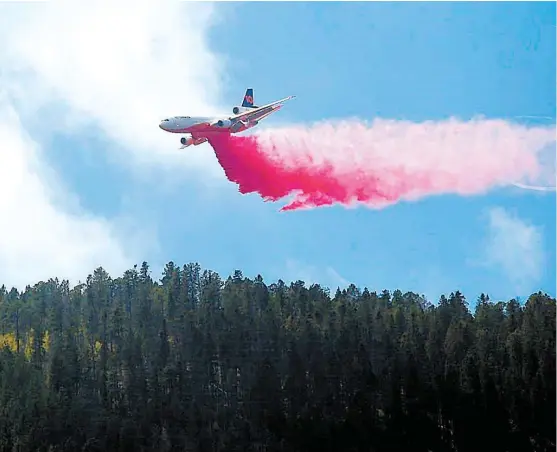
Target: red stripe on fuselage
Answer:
pixel 200 129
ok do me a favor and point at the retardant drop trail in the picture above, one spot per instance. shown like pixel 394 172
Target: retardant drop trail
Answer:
pixel 382 163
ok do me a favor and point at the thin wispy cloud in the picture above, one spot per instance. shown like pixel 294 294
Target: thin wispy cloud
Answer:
pixel 312 274
pixel 515 247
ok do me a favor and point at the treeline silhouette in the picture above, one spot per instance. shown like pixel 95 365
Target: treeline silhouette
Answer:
pixel 195 363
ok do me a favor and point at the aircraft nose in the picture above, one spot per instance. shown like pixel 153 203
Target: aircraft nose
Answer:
pixel 161 125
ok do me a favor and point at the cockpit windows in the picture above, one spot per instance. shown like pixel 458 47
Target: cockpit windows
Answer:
pixel 165 120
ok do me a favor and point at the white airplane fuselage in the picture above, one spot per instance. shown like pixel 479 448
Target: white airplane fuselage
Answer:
pixel 205 124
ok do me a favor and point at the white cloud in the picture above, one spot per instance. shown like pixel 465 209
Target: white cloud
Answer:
pixel 336 278
pixel 85 69
pixel 310 274
pixel 102 65
pixel 517 248
pixel 43 233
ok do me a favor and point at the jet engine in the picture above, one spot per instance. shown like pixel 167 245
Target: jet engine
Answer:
pixel 237 110
pixel 186 141
pixel 223 123
pixel 189 140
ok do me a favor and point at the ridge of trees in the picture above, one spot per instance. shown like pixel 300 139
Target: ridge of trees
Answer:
pixel 194 362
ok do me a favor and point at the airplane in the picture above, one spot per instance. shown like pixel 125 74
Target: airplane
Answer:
pixel 199 128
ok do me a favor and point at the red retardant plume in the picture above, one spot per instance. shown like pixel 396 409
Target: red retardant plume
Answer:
pixel 382 163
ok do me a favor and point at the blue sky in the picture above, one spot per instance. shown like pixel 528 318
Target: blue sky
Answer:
pixel 415 61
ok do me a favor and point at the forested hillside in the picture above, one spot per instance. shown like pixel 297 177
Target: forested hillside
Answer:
pixel 197 363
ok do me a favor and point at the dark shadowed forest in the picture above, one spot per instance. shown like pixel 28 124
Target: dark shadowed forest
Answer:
pixel 197 363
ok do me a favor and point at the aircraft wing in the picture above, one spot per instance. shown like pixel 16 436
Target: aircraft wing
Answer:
pixel 260 112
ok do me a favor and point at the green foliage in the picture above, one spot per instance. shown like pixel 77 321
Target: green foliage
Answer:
pixel 198 363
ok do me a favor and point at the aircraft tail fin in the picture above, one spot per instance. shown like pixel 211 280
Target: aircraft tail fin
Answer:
pixel 248 99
